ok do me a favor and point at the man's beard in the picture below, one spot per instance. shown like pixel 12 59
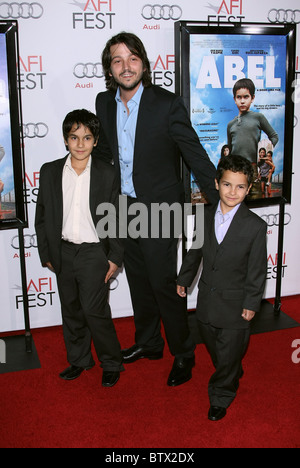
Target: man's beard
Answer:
pixel 132 86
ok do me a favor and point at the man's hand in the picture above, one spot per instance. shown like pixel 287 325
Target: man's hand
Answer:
pixel 49 265
pixel 112 269
pixel 248 315
pixel 181 291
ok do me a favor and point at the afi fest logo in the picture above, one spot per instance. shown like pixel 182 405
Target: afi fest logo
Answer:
pixel 32 187
pixel 32 75
pixel 163 71
pixel 95 14
pixel 41 293
pixel 228 11
pixel 273 266
pixel 296 353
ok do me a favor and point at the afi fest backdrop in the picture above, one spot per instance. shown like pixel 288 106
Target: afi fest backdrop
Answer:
pixel 60 65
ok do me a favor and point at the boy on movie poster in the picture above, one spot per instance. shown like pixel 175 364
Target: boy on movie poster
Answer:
pixel 7 189
pixel 217 63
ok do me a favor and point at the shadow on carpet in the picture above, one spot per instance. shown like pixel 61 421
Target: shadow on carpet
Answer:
pixel 14 356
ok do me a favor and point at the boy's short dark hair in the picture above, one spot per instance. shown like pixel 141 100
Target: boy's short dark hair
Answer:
pixel 244 83
pixel 81 117
pixel 235 164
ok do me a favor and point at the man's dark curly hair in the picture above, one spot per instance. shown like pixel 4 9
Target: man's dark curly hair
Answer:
pixel 136 47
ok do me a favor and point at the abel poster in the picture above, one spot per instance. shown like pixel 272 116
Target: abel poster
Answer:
pixel 217 62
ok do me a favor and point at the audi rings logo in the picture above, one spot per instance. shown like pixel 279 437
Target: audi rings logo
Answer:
pixel 284 16
pixel 162 12
pixel 113 283
pixel 273 220
pixel 30 241
pixel 88 70
pixel 22 10
pixel 35 130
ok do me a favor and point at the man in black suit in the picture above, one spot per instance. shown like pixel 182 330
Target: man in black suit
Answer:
pixel 146 129
pixel 71 189
pixel 233 279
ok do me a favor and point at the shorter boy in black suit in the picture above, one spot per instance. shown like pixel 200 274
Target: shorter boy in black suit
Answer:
pixel 232 282
pixel 70 191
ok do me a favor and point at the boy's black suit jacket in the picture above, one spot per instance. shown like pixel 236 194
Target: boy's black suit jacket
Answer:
pixel 234 272
pixel 163 133
pixel 49 210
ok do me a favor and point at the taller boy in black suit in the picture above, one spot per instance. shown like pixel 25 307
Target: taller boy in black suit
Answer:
pixel 232 282
pixel 147 129
pixel 70 191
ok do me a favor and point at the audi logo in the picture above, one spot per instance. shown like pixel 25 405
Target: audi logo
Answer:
pixel 30 241
pixel 22 10
pixel 273 220
pixel 113 283
pixel 88 70
pixel 162 12
pixel 284 16
pixel 35 130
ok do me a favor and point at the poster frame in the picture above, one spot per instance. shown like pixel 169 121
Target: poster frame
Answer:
pixel 19 216
pixel 183 31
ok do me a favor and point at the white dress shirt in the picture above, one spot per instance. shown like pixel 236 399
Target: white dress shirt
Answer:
pixel 78 226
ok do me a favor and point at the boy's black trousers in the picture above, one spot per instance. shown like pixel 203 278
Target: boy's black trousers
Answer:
pixel 227 348
pixel 86 313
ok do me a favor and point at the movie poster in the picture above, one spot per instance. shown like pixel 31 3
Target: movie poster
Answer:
pixel 7 189
pixel 217 62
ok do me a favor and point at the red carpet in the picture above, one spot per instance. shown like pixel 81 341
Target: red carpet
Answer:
pixel 38 410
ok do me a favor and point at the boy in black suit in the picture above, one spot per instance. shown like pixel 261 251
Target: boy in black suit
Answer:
pixel 70 191
pixel 232 282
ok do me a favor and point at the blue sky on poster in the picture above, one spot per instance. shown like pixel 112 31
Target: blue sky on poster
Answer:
pixel 6 166
pixel 213 107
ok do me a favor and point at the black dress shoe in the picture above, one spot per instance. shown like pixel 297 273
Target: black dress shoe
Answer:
pixel 181 371
pixel 71 373
pixel 216 413
pixel 138 352
pixel 109 379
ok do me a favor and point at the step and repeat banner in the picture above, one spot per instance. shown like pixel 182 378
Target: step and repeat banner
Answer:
pixel 61 42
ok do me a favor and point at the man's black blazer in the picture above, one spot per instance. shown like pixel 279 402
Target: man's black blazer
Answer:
pixel 163 132
pixel 49 210
pixel 234 272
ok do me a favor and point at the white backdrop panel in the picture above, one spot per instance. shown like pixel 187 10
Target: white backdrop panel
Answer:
pixel 57 39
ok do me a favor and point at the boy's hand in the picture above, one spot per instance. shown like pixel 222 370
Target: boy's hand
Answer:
pixel 248 315
pixel 49 265
pixel 181 291
pixel 112 269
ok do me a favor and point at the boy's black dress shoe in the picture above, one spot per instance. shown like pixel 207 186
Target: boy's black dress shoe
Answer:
pixel 109 379
pixel 72 372
pixel 216 413
pixel 138 352
pixel 181 371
